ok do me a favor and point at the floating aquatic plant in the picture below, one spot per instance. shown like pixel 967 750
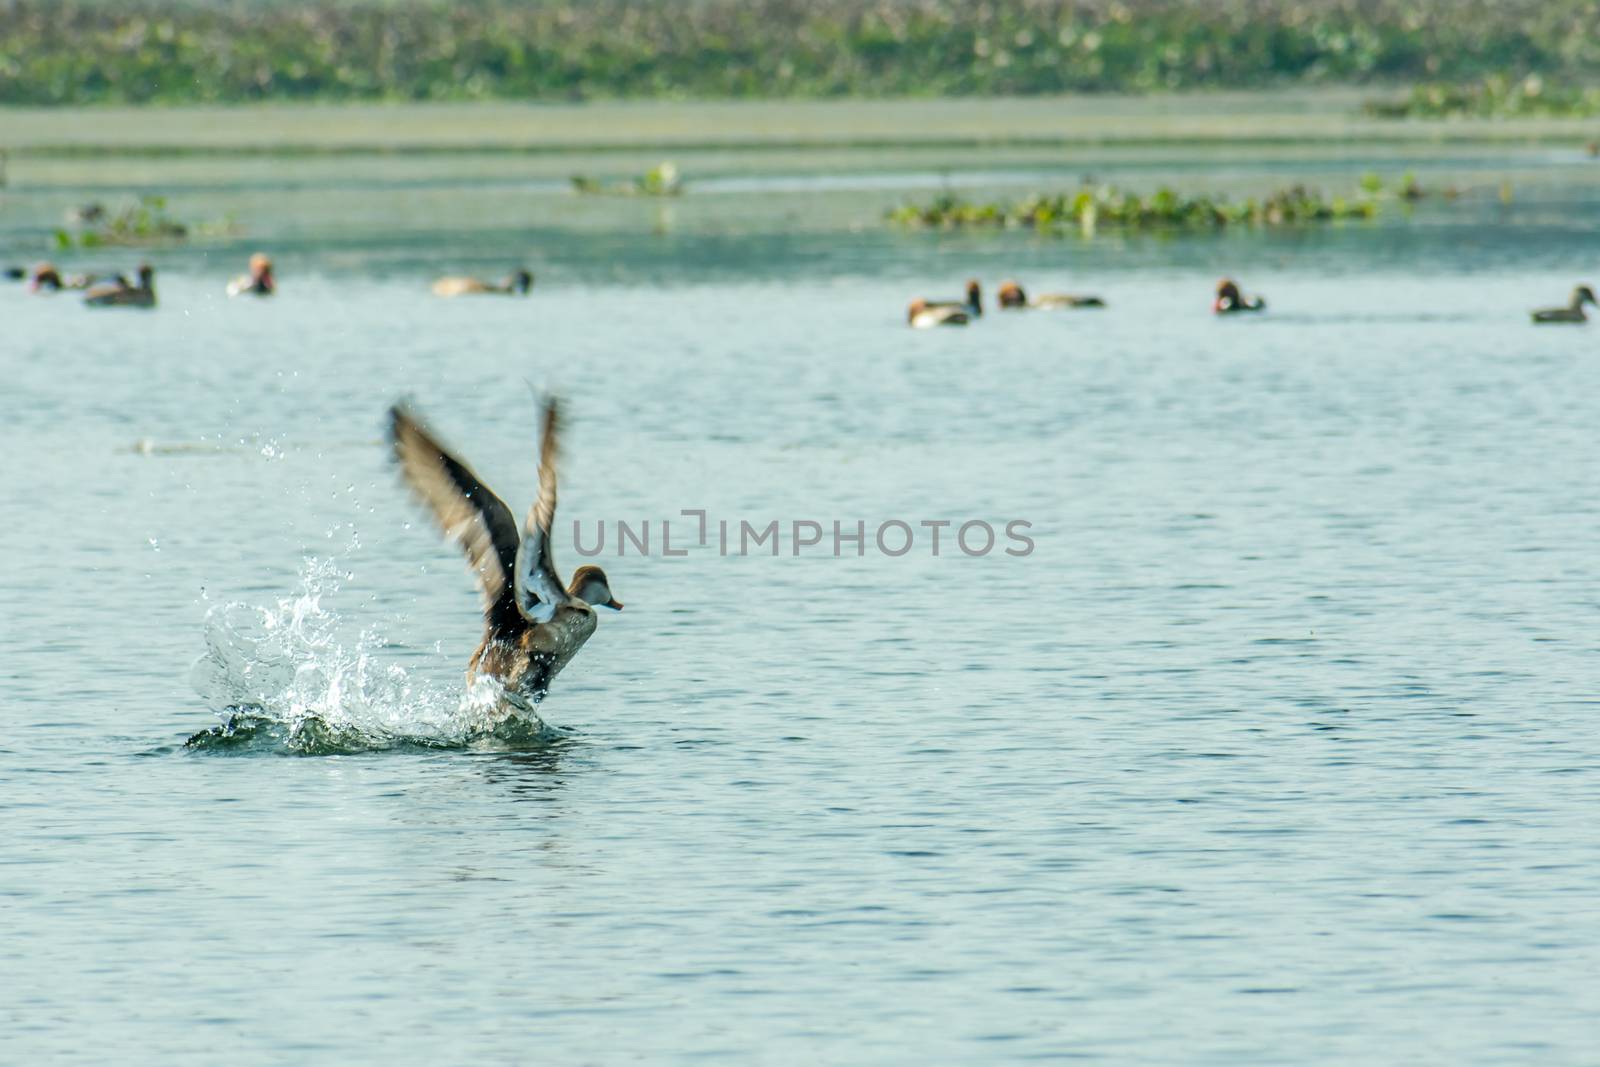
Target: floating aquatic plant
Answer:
pixel 143 222
pixel 660 180
pixel 1091 207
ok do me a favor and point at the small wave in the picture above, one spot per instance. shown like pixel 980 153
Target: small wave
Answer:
pixel 293 677
pixel 246 730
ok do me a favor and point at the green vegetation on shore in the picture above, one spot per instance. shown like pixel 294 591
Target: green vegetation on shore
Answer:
pixel 56 52
pixel 1090 208
pixel 1496 96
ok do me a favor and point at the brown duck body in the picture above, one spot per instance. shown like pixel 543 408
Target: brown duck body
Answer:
pixel 516 283
pixel 526 663
pixel 120 294
pixel 1573 312
pixel 1057 301
pixel 1230 301
pixel 920 315
pixel 1013 297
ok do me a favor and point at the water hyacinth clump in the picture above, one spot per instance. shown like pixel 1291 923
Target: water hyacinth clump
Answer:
pixel 1092 207
pixel 144 221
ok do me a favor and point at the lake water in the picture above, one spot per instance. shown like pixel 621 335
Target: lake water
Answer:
pixel 1279 747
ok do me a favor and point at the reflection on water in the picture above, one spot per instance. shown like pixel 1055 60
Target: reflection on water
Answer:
pixel 529 775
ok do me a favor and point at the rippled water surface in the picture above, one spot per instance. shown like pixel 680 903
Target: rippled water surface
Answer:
pixel 1280 747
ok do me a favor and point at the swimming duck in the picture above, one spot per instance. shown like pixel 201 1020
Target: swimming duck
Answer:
pixel 972 305
pixel 45 278
pixel 518 282
pixel 118 293
pixel 1012 296
pixel 1573 312
pixel 921 315
pixel 259 282
pixel 1230 299
pixel 532 625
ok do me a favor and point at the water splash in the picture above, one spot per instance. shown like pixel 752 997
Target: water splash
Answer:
pixel 292 676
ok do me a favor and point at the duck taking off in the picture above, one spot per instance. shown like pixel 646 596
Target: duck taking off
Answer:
pixel 532 625
pixel 517 282
pixel 1230 300
pixel 1573 312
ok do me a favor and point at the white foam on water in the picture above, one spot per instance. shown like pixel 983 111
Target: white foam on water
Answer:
pixel 296 664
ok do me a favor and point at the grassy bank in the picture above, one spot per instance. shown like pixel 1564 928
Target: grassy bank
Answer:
pixel 1496 96
pixel 55 52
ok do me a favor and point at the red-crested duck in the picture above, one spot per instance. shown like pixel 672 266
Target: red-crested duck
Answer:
pixel 517 282
pixel 921 315
pixel 259 282
pixel 1230 300
pixel 119 293
pixel 46 278
pixel 532 625
pixel 1012 296
pixel 1573 312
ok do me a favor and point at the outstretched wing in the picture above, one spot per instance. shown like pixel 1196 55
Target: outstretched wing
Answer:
pixel 466 510
pixel 539 590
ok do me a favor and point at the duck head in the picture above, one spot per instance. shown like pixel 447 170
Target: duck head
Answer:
pixel 44 276
pixel 147 276
pixel 1582 295
pixel 590 586
pixel 521 281
pixel 261 272
pixel 915 308
pixel 1228 296
pixel 974 296
pixel 1011 295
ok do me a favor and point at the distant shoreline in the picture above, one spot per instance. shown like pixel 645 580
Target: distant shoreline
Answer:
pixel 1257 118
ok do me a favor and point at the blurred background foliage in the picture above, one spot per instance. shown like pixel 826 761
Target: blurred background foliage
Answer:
pixel 226 51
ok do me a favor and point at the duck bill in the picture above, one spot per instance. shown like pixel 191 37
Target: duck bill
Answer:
pixel 614 605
